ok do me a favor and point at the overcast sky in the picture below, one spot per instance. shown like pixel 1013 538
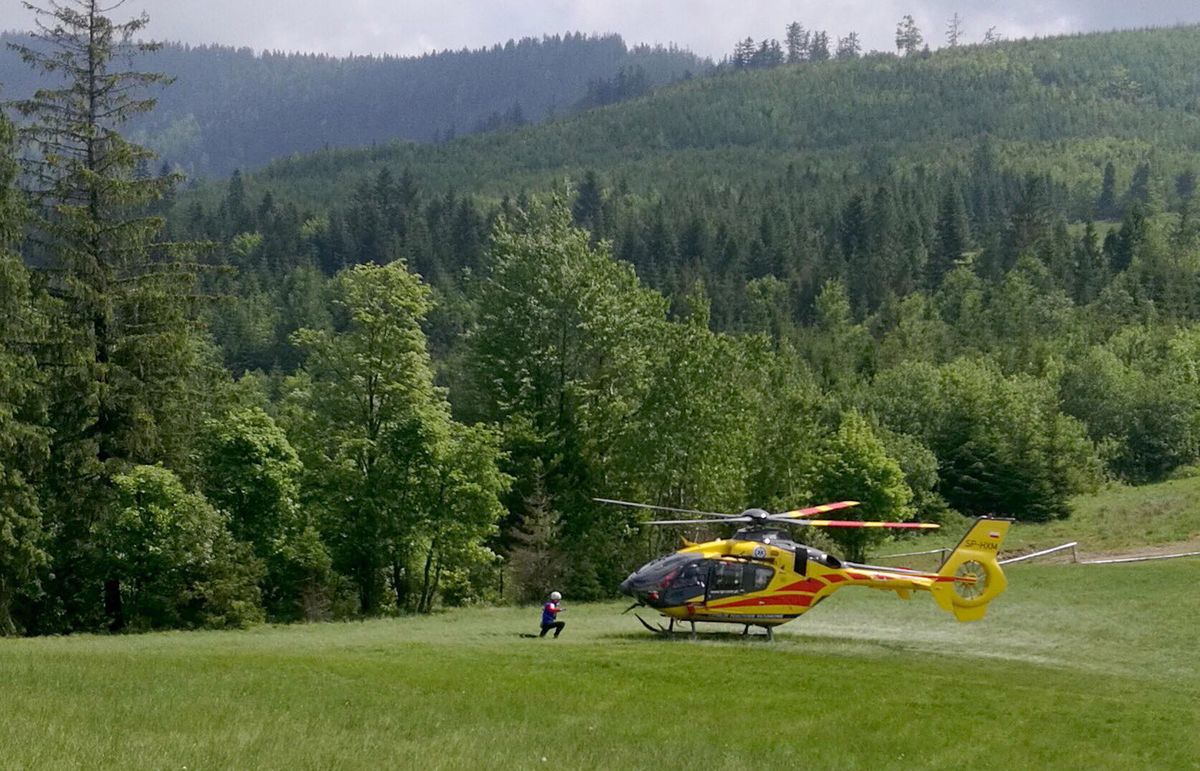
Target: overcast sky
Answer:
pixel 708 27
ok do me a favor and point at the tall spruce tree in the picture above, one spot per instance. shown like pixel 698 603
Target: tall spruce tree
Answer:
pixel 819 47
pixel 849 47
pixel 125 353
pixel 954 31
pixel 908 36
pixel 1139 186
pixel 23 435
pixel 797 43
pixel 588 209
pixel 951 239
pixel 1106 204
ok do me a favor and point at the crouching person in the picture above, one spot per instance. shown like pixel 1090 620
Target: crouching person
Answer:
pixel 550 613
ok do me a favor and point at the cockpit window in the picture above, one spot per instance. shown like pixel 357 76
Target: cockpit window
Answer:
pixel 691 573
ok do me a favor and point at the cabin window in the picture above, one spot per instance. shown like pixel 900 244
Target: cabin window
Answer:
pixel 801 561
pixel 758 577
pixel 726 578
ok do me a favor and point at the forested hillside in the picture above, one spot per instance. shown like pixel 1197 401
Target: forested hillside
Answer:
pixel 1062 105
pixel 372 382
pixel 239 109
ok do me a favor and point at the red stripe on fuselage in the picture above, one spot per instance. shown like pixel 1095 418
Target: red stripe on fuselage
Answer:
pixel 811 585
pixel 799 600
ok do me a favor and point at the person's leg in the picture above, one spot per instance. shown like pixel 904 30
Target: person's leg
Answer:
pixel 558 627
pixel 545 628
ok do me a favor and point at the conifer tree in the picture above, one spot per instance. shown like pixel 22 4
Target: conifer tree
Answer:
pixel 1139 186
pixel 23 435
pixel 588 209
pixel 1090 268
pixel 849 47
pixel 819 48
pixel 1121 245
pixel 951 240
pixel 1185 185
pixel 125 340
pixel 908 36
pixel 954 31
pixel 743 53
pixel 1106 204
pixel 535 560
pixel 797 43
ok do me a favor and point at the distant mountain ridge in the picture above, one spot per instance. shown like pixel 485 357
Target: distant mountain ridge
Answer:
pixel 1063 105
pixel 236 109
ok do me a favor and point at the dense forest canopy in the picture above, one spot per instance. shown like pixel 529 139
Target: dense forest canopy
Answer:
pixel 369 382
pixel 234 108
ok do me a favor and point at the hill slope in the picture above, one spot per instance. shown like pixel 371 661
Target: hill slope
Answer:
pixel 1062 104
pixel 234 108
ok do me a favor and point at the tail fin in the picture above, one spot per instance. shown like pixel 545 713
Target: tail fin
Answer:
pixel 973 558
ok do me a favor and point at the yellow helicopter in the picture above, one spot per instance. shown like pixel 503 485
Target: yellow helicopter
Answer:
pixel 762 578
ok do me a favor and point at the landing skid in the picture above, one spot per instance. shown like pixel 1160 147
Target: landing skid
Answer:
pixel 669 630
pixel 658 628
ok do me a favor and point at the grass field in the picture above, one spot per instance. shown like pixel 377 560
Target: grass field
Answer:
pixel 1075 667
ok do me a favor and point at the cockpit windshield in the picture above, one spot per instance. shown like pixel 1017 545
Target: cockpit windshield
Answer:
pixel 660 568
pixel 670 580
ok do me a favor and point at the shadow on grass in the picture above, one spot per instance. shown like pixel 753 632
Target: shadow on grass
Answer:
pixel 685 635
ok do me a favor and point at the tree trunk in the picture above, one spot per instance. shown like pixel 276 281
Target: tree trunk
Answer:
pixel 425 579
pixel 366 588
pixel 114 607
pixel 399 583
pixel 429 583
pixel 437 579
pixel 7 627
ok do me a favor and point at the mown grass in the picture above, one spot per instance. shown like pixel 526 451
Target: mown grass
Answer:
pixel 1074 667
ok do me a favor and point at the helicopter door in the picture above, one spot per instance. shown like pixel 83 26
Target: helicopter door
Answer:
pixel 758 577
pixel 724 579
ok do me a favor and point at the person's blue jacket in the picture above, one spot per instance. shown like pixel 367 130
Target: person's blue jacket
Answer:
pixel 549 611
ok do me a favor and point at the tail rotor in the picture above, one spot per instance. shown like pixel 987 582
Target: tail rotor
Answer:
pixel 971 576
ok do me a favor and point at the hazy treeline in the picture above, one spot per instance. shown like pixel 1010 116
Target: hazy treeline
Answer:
pixel 237 108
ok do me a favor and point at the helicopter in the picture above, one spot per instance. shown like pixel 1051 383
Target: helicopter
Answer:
pixel 762 578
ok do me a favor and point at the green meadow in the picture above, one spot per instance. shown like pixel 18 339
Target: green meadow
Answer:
pixel 1115 520
pixel 1075 666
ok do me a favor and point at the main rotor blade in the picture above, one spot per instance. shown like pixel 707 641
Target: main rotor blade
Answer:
pixel 851 523
pixel 665 508
pixel 697 521
pixel 824 507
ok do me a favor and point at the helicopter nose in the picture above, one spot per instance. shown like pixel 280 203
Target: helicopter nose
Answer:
pixel 626 586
